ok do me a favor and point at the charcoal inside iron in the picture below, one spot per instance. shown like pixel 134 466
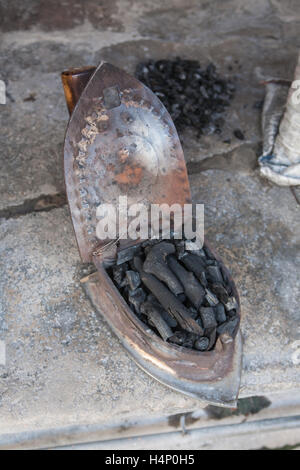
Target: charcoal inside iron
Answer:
pixel 203 306
pixel 133 279
pixel 231 304
pixel 229 326
pixel 119 275
pixel 202 343
pixel 179 337
pixel 211 298
pixel 212 335
pixel 208 317
pixel 136 298
pixel 220 291
pixel 220 313
pixel 155 319
pixel 165 315
pixel 214 274
pixel 195 96
pixel 127 254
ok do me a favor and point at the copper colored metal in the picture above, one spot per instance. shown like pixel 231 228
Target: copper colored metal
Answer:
pixel 74 82
pixel 121 140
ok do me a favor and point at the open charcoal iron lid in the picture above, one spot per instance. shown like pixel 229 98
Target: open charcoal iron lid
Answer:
pixel 121 141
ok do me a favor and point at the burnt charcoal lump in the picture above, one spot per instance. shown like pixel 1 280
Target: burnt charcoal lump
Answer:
pixel 195 96
pixel 201 343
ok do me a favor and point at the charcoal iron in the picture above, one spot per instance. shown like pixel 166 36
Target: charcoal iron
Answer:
pixel 111 111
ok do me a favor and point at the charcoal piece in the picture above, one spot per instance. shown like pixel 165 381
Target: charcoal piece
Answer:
pixel 127 254
pixel 231 304
pixel 147 249
pixel 208 317
pixel 203 280
pixel 189 340
pixel 231 313
pixel 211 298
pixel 178 338
pixel 199 321
pixel 220 313
pixel 181 297
pixel 133 279
pixel 119 276
pixel 220 291
pixel 202 343
pixel 229 327
pixel 155 319
pixel 165 315
pixel 194 263
pixel 168 300
pixel 209 253
pixel 183 338
pixel 211 262
pixel 180 249
pixel 136 298
pixel 214 274
pixel 212 335
pixel 156 264
pixel 150 242
pixel 193 312
pixel 238 134
pixel 192 288
pixel 224 274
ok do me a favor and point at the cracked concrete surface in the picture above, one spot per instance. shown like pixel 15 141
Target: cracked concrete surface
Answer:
pixel 64 366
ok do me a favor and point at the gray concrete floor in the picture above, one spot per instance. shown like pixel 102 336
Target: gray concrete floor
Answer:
pixel 63 365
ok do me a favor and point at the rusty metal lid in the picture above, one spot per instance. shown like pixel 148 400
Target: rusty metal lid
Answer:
pixel 120 141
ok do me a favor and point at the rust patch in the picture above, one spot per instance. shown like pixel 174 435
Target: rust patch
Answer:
pixel 130 175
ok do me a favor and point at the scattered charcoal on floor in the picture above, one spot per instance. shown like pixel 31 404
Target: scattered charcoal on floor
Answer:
pixel 194 96
pixel 184 296
pixel 238 134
